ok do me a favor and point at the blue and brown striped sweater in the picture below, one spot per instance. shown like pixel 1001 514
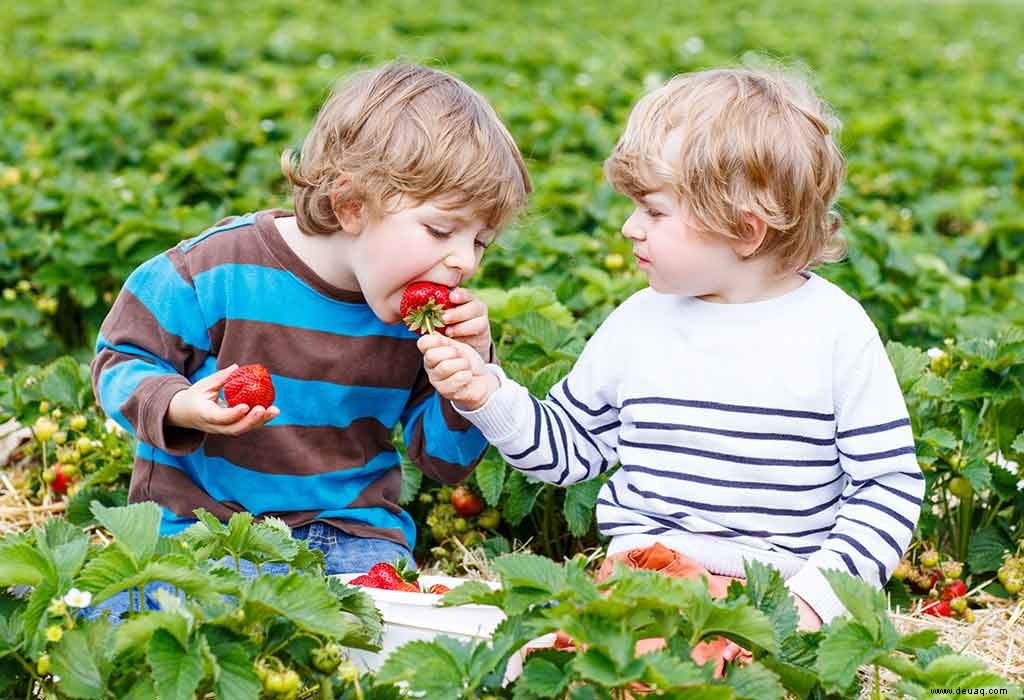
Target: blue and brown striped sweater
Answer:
pixel 344 379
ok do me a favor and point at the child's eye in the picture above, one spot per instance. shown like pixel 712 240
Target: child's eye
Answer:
pixel 483 245
pixel 654 214
pixel 437 233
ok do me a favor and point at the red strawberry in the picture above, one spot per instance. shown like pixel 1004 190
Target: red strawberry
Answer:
pixel 423 304
pixel 954 589
pixel 938 609
pixel 466 503
pixel 251 385
pixel 61 480
pixel 392 578
pixel 438 589
pixel 365 580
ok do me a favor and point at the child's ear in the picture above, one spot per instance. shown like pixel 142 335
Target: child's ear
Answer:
pixel 752 233
pixel 348 210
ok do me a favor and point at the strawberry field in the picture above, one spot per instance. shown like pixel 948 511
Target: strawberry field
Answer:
pixel 125 129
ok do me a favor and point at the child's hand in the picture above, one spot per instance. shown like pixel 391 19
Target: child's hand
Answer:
pixel 467 321
pixel 457 371
pixel 197 408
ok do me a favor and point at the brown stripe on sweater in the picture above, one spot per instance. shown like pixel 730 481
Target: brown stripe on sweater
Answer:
pixel 436 469
pixel 131 323
pixel 240 246
pixel 303 450
pixel 383 493
pixel 171 488
pixel 375 361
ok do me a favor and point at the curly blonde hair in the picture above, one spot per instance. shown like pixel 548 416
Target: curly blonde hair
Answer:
pixel 751 140
pixel 405 131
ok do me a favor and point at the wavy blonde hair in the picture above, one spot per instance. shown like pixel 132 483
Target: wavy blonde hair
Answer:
pixel 405 131
pixel 751 140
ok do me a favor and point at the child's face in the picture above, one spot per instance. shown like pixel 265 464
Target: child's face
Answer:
pixel 417 242
pixel 671 251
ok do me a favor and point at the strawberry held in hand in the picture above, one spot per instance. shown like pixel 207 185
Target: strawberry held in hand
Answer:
pixel 251 385
pixel 422 306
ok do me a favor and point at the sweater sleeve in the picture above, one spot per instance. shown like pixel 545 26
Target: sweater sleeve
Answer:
pixel 571 435
pixel 881 502
pixel 152 340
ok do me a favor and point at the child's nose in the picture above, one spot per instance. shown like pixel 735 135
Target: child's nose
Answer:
pixel 463 259
pixel 631 230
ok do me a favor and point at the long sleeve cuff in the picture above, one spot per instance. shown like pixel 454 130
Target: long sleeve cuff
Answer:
pixel 811 585
pixel 498 419
pixel 153 429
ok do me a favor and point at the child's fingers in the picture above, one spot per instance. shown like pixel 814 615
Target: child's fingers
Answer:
pixel 473 327
pixel 253 419
pixel 464 312
pixel 447 368
pixel 429 341
pixel 214 414
pixel 215 380
pixel 454 384
pixel 435 356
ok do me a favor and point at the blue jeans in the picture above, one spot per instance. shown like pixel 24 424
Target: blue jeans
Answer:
pixel 343 554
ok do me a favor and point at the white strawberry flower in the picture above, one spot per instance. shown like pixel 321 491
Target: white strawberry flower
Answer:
pixel 936 353
pixel 78 599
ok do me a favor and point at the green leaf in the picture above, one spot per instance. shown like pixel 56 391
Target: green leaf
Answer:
pixel 986 548
pixel 978 473
pixel 412 480
pixel 490 477
pixel 475 592
pixel 177 670
pixel 865 603
pixel 594 665
pixel 665 670
pixel 529 570
pixel 305 600
pixel 135 527
pixel 77 659
pixel 521 494
pixel 580 501
pixel 908 362
pixel 923 639
pixel 767 591
pixel 543 678
pixel 136 632
pixel 1018 444
pixel 846 647
pixel 940 437
pixel 428 667
pixel 23 564
pixel 755 682
pixel 79 510
pixel 106 571
pixel 234 676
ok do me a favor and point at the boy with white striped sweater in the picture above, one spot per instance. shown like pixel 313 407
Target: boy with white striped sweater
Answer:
pixel 749 402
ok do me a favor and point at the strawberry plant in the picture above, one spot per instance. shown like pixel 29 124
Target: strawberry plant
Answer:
pixel 215 631
pixel 606 621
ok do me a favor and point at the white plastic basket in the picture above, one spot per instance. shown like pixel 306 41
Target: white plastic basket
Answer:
pixel 416 616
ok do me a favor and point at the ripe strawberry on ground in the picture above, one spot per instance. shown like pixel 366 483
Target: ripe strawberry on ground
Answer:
pixel 954 589
pixel 251 385
pixel 59 478
pixel 366 580
pixel 422 306
pixel 438 589
pixel 938 609
pixel 466 503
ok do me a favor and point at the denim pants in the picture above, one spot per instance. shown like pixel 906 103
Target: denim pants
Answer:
pixel 343 554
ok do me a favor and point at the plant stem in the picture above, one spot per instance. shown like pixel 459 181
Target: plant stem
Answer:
pixel 876 692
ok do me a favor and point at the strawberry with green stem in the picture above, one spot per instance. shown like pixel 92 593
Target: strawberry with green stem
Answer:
pixel 423 305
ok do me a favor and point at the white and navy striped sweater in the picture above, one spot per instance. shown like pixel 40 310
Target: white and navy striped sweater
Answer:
pixel 773 430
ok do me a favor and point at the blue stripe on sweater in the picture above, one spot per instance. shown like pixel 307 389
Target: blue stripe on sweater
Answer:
pixel 258 492
pixel 279 303
pixel 171 300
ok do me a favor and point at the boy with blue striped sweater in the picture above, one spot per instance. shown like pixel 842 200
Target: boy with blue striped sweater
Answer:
pixel 407 175
pixel 749 403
